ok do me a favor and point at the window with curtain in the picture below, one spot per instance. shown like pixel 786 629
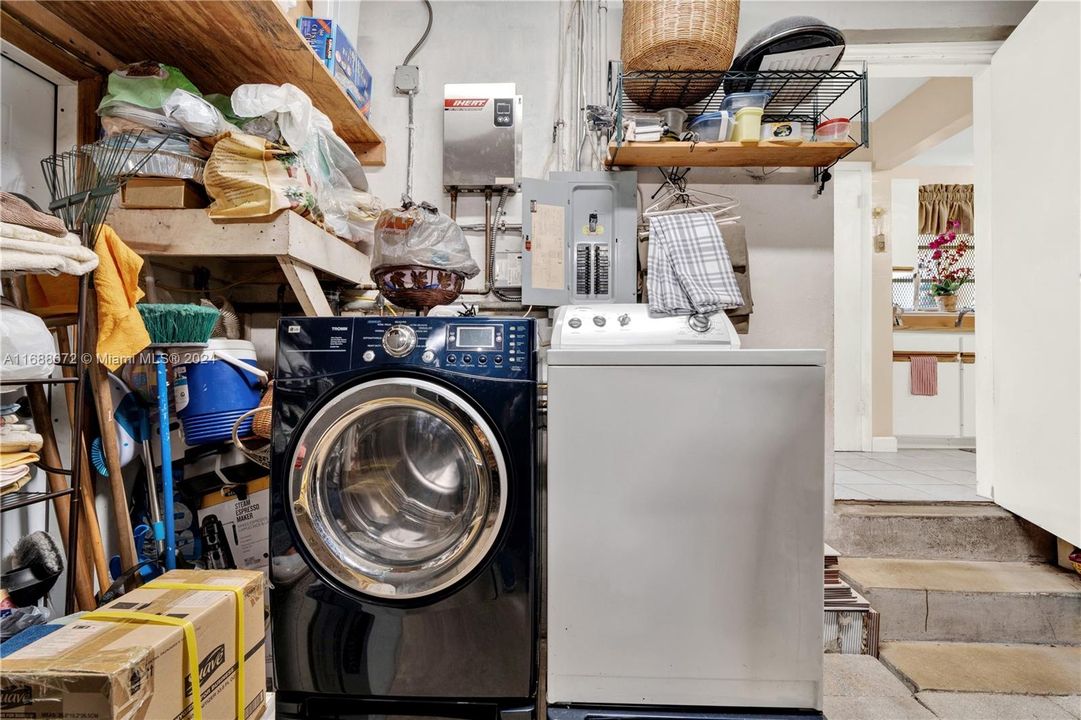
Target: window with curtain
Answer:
pixel 938 204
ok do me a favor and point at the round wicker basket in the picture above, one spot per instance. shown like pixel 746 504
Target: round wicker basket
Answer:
pixel 417 287
pixel 677 35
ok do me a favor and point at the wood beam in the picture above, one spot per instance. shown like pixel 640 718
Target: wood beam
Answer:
pixel 936 111
pixel 61 34
pixel 31 42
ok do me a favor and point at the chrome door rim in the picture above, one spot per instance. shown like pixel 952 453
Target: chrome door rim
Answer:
pixel 364 574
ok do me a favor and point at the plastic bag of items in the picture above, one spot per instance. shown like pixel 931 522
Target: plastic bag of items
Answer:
pixel 28 346
pixel 136 93
pixel 421 235
pixel 247 176
pixel 196 115
pixel 333 167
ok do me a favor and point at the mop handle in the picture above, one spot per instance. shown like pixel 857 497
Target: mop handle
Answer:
pixel 166 461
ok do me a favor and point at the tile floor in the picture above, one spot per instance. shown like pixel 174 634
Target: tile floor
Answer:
pixel 906 476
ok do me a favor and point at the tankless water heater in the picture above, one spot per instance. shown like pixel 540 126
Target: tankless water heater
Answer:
pixel 482 136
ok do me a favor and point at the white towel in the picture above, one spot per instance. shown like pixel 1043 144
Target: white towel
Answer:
pixel 27 250
pixel 690 272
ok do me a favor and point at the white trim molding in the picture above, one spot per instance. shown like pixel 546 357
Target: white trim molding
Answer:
pixel 884 444
pixel 943 59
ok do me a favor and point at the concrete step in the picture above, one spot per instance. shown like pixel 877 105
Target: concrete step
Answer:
pixel 985 667
pixel 966 601
pixel 944 531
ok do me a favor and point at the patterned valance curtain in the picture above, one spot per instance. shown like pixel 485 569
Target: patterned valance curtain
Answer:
pixel 941 203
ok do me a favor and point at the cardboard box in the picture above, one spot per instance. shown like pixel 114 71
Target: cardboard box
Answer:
pixel 332 46
pixel 236 526
pixel 101 668
pixel 154 193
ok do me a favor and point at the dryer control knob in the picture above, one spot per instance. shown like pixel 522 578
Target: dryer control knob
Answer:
pixel 368 356
pixel 399 341
pixel 599 320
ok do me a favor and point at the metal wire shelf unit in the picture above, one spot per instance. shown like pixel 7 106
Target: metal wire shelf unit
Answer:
pixel 795 95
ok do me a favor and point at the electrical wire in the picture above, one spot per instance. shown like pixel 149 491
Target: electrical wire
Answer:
pixel 428 29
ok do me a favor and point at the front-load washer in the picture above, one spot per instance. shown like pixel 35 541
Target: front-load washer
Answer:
pixel 403 529
pixel 684 520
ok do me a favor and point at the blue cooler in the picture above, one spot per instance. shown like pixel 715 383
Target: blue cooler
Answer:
pixel 212 393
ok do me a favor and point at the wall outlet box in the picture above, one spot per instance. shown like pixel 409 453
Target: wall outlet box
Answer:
pixel 407 79
pixel 508 269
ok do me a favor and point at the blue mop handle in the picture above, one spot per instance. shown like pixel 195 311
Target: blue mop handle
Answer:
pixel 166 461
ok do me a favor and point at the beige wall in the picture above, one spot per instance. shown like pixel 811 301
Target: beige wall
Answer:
pixel 882 292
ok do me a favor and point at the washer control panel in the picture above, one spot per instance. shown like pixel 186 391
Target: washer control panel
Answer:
pixel 631 326
pixel 481 346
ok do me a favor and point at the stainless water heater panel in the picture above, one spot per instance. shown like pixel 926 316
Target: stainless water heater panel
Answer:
pixel 580 238
pixel 482 136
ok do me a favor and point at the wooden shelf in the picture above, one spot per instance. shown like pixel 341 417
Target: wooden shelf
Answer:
pixel 218 45
pixel 726 154
pixel 299 246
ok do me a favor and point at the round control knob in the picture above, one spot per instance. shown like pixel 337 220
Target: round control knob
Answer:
pixel 575 323
pixel 599 320
pixel 700 323
pixel 428 356
pixel 368 356
pixel 399 341
pixel 624 320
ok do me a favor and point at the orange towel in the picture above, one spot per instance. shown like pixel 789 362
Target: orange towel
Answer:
pixel 121 332
pixel 51 295
pixel 923 375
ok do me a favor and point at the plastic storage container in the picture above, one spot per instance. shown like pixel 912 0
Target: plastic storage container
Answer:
pixel 212 393
pixel 835 130
pixel 734 102
pixel 713 127
pixel 748 125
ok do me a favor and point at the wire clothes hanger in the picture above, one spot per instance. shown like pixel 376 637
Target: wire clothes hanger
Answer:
pixel 676 198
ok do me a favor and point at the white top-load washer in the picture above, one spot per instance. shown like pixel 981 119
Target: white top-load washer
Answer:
pixel 684 517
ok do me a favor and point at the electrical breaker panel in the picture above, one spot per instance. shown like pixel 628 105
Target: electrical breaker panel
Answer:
pixel 482 136
pixel 579 231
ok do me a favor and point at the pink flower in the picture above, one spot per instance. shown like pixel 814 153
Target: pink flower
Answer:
pixel 936 254
pixel 952 236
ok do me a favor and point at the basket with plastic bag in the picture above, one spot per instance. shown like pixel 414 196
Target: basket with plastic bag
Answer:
pixel 420 258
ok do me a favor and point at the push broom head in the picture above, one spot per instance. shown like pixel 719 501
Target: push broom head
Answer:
pixel 178 324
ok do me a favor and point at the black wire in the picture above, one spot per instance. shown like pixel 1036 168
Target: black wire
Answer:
pixel 427 4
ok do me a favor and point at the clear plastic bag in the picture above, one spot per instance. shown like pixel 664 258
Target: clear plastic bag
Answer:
pixel 421 235
pixel 196 115
pixel 28 348
pixel 334 169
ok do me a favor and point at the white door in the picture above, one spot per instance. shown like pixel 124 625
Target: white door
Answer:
pixel 1029 329
pixel 397 489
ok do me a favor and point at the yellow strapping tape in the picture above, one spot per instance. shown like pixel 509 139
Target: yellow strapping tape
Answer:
pixel 151 619
pixel 238 593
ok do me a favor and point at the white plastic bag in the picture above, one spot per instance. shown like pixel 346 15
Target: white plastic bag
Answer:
pixel 333 166
pixel 421 235
pixel 26 346
pixel 197 116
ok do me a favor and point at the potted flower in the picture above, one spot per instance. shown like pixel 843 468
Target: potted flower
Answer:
pixel 948 275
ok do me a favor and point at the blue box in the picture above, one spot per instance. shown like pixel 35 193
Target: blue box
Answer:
pixel 332 47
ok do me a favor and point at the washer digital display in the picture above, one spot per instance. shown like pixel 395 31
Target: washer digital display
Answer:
pixel 482 338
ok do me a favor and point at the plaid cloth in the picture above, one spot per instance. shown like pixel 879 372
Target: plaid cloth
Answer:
pixel 690 272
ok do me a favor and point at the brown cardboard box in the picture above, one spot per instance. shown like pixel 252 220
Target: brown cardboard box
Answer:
pixel 162 193
pixel 96 668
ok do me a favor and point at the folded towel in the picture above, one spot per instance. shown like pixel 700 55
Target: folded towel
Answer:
pixel 14 479
pixel 690 272
pixel 28 250
pixel 923 374
pixel 15 210
pixel 121 332
pixel 10 460
pixel 15 439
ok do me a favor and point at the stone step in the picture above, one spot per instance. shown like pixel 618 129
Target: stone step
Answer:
pixel 932 667
pixel 967 601
pixel 942 531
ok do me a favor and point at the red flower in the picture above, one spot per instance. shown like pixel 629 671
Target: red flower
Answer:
pixel 936 254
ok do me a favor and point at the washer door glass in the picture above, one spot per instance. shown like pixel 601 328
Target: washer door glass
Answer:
pixel 398 488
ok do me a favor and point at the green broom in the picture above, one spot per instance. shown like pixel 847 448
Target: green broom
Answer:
pixel 172 326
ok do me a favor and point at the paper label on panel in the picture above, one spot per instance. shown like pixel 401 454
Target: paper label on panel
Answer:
pixel 547 242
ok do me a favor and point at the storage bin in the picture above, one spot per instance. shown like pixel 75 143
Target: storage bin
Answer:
pixel 835 130
pixel 748 125
pixel 736 101
pixel 712 127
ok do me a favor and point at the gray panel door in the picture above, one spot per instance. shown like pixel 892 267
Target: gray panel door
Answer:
pixel 542 203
